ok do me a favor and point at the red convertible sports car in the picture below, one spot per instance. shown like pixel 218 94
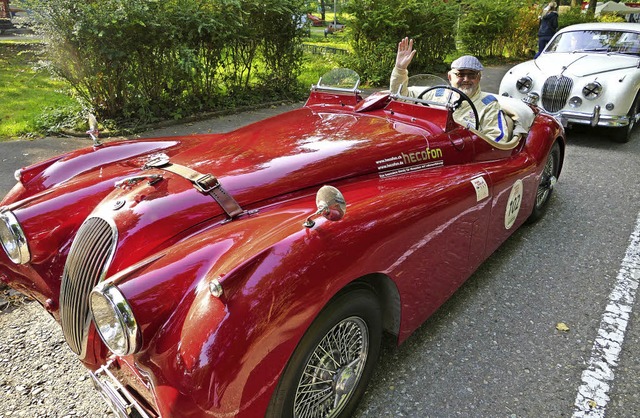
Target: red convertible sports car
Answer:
pixel 253 273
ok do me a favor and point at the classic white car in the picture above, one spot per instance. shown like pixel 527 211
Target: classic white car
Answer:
pixel 588 74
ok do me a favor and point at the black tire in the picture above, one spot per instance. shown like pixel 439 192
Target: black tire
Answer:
pixel 338 373
pixel 546 184
pixel 623 134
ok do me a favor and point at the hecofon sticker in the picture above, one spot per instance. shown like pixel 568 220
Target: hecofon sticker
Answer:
pixel 513 204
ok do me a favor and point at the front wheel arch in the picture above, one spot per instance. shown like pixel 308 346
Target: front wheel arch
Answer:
pixel 546 183
pixel 623 134
pixel 335 371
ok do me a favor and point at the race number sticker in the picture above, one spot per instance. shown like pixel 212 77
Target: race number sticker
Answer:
pixel 482 190
pixel 513 204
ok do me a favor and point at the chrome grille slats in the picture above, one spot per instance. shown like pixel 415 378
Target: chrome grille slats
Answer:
pixel 555 93
pixel 88 260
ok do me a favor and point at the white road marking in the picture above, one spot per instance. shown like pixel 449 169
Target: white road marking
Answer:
pixel 593 394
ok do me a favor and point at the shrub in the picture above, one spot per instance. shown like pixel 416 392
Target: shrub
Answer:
pixel 486 25
pixel 573 16
pixel 521 38
pixel 378 25
pixel 151 59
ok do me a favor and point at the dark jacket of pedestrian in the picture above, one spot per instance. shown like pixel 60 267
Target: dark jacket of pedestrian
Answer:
pixel 548 24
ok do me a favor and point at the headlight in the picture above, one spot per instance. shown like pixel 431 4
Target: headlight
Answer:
pixel 12 238
pixel 592 90
pixel 114 319
pixel 524 84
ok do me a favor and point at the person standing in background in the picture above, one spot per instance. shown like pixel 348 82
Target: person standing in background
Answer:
pixel 548 26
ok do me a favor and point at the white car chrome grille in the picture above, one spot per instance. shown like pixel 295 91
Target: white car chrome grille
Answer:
pixel 555 93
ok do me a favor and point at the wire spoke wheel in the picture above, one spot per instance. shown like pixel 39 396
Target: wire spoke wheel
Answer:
pixel 548 179
pixel 333 370
pixel 328 371
pixel 546 183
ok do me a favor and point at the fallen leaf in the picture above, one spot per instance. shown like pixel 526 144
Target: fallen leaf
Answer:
pixel 561 326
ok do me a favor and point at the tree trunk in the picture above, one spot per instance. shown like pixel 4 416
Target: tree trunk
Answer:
pixel 592 6
pixel 322 9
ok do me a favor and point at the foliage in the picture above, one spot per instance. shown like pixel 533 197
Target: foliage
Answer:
pixel 152 59
pixel 573 16
pixel 521 40
pixel 26 90
pixel 487 25
pixel 377 26
pixel 610 17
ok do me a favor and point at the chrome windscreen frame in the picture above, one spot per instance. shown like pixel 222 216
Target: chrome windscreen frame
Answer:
pixel 399 96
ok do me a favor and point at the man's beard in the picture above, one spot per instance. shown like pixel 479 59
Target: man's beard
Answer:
pixel 468 90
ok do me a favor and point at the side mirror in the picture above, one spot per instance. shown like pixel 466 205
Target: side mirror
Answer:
pixel 330 203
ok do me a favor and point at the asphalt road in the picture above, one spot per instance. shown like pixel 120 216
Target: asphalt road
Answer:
pixel 493 349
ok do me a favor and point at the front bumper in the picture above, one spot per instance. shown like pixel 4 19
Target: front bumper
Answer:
pixel 567 117
pixel 122 402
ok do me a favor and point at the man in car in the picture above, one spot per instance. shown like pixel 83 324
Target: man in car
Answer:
pixel 465 75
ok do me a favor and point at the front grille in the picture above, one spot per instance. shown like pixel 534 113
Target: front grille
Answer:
pixel 87 262
pixel 555 93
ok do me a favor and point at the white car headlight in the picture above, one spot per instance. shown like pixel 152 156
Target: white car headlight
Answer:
pixel 114 319
pixel 592 90
pixel 524 84
pixel 12 238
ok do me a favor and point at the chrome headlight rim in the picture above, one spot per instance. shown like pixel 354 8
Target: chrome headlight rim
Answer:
pixel 592 90
pixel 524 84
pixel 13 239
pixel 114 303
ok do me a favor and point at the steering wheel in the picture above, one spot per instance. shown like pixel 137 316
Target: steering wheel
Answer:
pixel 457 103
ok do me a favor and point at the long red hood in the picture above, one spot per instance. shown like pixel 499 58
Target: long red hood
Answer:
pixel 278 158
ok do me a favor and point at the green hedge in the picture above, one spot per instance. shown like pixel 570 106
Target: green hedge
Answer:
pixel 153 59
pixel 378 25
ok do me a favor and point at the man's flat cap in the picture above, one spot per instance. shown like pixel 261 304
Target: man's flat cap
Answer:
pixel 467 62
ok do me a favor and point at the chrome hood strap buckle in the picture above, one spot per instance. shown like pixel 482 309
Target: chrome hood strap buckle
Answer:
pixel 204 183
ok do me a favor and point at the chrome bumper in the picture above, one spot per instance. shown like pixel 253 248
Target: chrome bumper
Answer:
pixel 593 119
pixel 121 401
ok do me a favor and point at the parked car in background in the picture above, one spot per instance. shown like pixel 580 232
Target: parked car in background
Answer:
pixel 253 273
pixel 588 74
pixel 315 20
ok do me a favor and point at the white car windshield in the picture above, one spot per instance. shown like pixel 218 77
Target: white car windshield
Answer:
pixel 596 41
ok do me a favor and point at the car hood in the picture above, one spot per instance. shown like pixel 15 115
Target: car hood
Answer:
pixel 277 159
pixel 582 64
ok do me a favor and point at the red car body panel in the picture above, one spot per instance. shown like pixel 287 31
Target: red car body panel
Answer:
pixel 415 226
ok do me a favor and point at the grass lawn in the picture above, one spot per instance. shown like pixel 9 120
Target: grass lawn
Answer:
pixel 33 102
pixel 27 95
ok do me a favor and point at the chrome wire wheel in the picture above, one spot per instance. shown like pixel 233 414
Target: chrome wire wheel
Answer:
pixel 333 370
pixel 330 367
pixel 547 182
